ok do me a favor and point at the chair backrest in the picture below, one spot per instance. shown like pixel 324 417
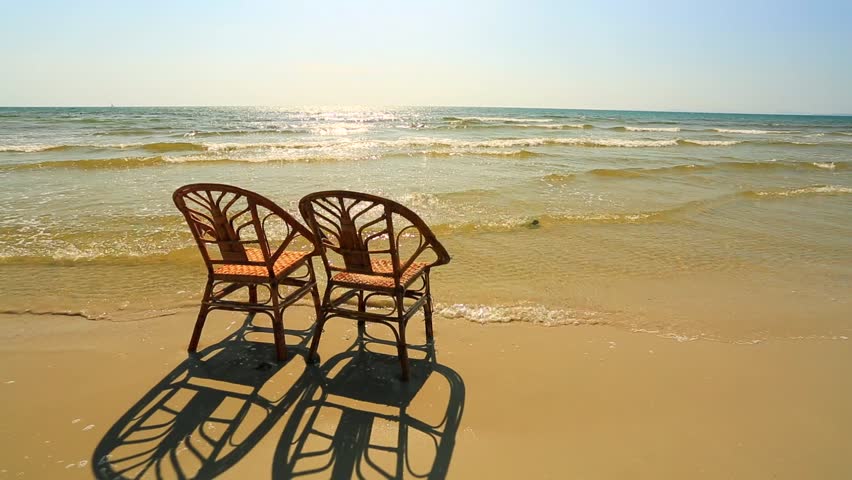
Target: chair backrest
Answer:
pixel 353 229
pixel 225 220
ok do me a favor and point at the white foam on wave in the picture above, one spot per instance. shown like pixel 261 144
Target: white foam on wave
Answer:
pixel 341 144
pixel 339 129
pixel 565 126
pixel 672 336
pixel 586 142
pixel 228 146
pixel 816 189
pixel 26 148
pixel 526 313
pixel 752 132
pixel 712 143
pixel 652 129
pixel 502 119
pixel 825 165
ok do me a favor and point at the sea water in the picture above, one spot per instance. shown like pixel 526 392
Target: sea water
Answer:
pixel 690 225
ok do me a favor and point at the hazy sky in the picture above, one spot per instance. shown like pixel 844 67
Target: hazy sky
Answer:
pixel 739 56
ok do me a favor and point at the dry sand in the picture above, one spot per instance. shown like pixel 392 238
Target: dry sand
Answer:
pixel 503 401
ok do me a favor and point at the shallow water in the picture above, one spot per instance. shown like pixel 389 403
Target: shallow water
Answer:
pixel 728 227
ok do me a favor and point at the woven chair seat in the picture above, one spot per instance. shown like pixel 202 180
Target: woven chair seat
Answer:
pixel 378 281
pixel 286 260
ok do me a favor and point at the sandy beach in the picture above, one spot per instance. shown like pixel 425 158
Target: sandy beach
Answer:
pixel 524 401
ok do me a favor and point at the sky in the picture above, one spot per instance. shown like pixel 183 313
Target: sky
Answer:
pixel 723 56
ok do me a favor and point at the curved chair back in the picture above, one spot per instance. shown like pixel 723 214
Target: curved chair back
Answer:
pixel 225 220
pixel 352 230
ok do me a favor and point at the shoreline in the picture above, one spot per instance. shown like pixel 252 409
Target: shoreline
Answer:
pixel 556 402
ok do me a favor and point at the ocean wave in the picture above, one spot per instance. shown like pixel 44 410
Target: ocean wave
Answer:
pixel 575 141
pixel 646 129
pixel 33 148
pixel 825 165
pixel 162 147
pixel 128 131
pixel 559 178
pixel 753 132
pixel 337 131
pixel 801 191
pixel 721 166
pixel 563 126
pixel 84 314
pixel 549 220
pixel 514 125
pixel 282 157
pixel 431 148
pixel 158 147
pixel 522 312
pixel 91 164
pixel 482 152
pixel 554 141
pixel 776 165
pixel 496 119
pixel 260 131
pixel 274 158
pixel 343 145
pixel 710 143
pixel 619 172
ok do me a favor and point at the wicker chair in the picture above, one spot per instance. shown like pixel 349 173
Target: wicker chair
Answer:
pixel 247 242
pixel 373 249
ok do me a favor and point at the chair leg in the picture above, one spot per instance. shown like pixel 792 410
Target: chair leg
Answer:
pixel 317 304
pixel 427 312
pixel 278 334
pixel 362 307
pixel 202 317
pixel 277 323
pixel 403 352
pixel 312 355
pixel 196 333
pixel 427 309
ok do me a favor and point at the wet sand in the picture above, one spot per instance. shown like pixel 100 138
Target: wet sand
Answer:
pixel 502 401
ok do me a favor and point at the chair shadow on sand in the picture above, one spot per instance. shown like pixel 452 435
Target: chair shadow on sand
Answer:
pixel 357 420
pixel 349 417
pixel 205 415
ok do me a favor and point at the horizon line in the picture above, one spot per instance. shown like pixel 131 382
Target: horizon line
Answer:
pixel 803 114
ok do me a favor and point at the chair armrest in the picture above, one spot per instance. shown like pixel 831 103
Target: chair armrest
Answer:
pixel 428 241
pixel 295 230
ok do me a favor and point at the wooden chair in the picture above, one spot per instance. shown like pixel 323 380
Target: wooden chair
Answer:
pixel 372 249
pixel 247 242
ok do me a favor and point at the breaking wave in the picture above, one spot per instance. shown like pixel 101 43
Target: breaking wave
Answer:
pixel 34 148
pixel 522 312
pixel 509 120
pixel 753 132
pixel 550 220
pixel 342 142
pixel 711 143
pixel 721 166
pixel 801 191
pixel 475 152
pixel 646 129
pixel 559 178
pixel 92 164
